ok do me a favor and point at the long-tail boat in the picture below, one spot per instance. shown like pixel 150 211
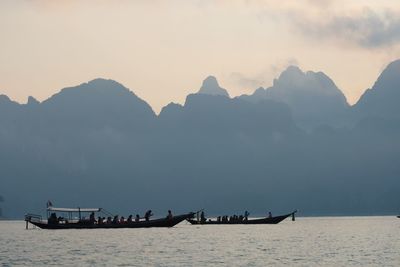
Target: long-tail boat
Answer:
pixel 80 222
pixel 266 220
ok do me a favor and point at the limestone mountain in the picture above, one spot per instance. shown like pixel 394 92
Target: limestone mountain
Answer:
pixel 383 99
pixel 98 103
pixel 210 86
pixel 313 97
pixel 98 144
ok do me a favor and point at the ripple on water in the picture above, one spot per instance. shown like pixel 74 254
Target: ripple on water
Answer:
pixel 346 241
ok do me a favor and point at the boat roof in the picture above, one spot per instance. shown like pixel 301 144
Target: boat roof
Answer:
pixel 74 209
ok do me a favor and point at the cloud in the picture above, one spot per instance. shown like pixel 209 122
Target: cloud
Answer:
pixel 368 28
pixel 263 78
pixel 243 80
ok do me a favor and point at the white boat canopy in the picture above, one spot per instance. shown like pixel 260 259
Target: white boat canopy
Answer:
pixel 73 209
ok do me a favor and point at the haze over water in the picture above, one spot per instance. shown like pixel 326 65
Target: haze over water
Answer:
pixel 313 241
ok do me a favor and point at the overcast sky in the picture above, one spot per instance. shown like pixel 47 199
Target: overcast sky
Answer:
pixel 162 50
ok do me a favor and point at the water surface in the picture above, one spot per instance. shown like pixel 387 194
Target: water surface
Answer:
pixel 317 241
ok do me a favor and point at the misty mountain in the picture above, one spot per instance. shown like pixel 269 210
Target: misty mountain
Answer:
pixel 377 112
pixel 98 144
pixel 210 86
pixel 98 103
pixel 312 96
pixel 203 112
pixel 382 100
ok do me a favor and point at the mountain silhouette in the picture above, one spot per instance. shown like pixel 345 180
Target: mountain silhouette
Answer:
pixel 98 144
pixel 313 97
pixel 210 86
pixel 216 112
pixel 32 101
pixel 382 100
pixel 98 103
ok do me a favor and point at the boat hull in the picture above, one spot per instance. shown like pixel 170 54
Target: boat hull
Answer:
pixel 163 222
pixel 271 220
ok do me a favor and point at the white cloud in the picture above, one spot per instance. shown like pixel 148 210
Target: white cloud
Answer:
pixel 368 28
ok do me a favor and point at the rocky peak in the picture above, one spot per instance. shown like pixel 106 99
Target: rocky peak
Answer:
pixel 210 86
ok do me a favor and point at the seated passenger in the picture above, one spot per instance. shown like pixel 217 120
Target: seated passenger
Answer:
pixel 137 218
pixel 122 220
pixel 269 215
pixel 99 220
pixel 129 219
pixel 109 220
pixel 115 220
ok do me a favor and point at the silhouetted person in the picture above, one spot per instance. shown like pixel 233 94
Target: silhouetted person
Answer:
pixel 246 215
pixel 269 215
pixel 147 215
pixel 202 217
pixel 137 218
pixel 130 218
pixel 115 220
pixel 100 220
pixel 92 219
pixel 169 216
pixel 109 220
pixel 52 219
pixel 122 220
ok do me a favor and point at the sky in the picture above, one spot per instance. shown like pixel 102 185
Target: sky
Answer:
pixel 162 50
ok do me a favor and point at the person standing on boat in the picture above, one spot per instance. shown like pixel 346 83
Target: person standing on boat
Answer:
pixel 246 215
pixel 147 215
pixel 269 215
pixel 202 217
pixel 52 219
pixel 169 216
pixel 92 218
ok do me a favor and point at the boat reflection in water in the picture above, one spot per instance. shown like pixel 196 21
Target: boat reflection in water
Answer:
pixel 80 222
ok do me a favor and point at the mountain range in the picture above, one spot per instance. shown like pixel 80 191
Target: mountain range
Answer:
pixel 297 144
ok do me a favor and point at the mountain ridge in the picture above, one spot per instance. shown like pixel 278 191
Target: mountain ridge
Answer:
pixel 291 76
pixel 92 146
pixel 382 99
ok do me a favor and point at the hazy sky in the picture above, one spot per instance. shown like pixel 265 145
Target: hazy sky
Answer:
pixel 162 50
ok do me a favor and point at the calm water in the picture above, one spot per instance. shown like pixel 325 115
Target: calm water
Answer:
pixel 334 241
